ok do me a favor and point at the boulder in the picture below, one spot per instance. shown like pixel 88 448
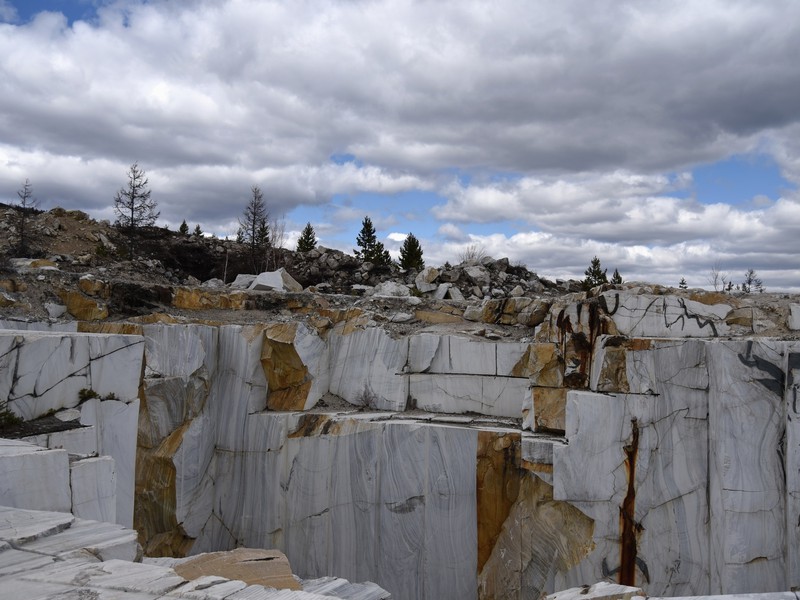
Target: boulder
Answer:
pixel 213 283
pixel 425 280
pixel 242 281
pixel 278 280
pixel 478 275
pixel 391 288
pixel 794 317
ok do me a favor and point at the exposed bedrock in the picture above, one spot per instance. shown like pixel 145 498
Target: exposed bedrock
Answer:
pixel 622 439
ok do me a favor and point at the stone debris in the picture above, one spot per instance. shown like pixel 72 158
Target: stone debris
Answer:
pixel 55 555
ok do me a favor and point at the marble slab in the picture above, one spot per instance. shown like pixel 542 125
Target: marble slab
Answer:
pixel 647 446
pixel 457 394
pixel 45 371
pixel 645 315
pixel 747 468
pixel 34 477
pixel 116 424
pixel 93 487
pixel 366 368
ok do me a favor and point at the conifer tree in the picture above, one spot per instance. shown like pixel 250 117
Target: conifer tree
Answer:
pixel 254 228
pixel 616 277
pixel 595 275
pixel 184 228
pixel 197 231
pixel 683 285
pixel 411 254
pixel 307 240
pixel 371 249
pixel 133 206
pixel 27 205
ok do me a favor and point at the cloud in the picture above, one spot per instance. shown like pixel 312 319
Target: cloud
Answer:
pixel 452 233
pixel 577 125
pixel 8 13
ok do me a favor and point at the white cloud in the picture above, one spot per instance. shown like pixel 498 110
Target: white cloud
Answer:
pixel 8 13
pixel 577 124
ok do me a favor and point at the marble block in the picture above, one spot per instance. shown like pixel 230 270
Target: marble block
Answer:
pixel 598 591
pixel 792 407
pixel 279 280
pixel 116 425
pixel 20 526
pixel 327 490
pixel 642 315
pixel 93 486
pixel 641 453
pixel 648 366
pixel 170 402
pixel 747 487
pixel 366 368
pixel 493 396
pixel 547 411
pixel 81 441
pixel 296 365
pixel 460 355
pixel 45 371
pixel 33 477
pixel 794 317
pixel 179 350
pixel 238 387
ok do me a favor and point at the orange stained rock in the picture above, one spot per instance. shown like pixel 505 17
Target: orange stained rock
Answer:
pixel 83 308
pixel 497 486
pixel 288 378
pixel 254 566
pixel 557 537
pixel 94 287
pixel 154 511
pixel 549 408
pixel 435 317
pixel 195 299
pixel 117 328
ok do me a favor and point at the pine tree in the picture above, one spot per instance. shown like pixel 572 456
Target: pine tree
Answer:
pixel 683 285
pixel 254 228
pixel 184 228
pixel 411 254
pixel 371 249
pixel 27 205
pixel 197 231
pixel 133 206
pixel 595 275
pixel 616 278
pixel 752 282
pixel 307 240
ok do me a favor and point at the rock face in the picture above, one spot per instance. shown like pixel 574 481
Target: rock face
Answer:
pixel 624 437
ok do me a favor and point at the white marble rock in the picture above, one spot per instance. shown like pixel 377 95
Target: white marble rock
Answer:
pixel 34 477
pixel 366 368
pixel 643 315
pixel 93 487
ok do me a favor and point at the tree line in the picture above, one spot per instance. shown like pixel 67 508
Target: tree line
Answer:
pixel 261 234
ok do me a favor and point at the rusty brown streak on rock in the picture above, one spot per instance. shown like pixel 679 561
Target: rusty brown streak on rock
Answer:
pixel 628 526
pixel 497 486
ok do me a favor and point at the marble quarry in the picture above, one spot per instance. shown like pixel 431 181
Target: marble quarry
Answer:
pixel 649 440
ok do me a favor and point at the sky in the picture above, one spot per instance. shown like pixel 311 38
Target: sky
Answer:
pixel 662 137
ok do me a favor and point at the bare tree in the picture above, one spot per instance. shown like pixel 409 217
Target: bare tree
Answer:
pixel 717 278
pixel 277 238
pixel 473 253
pixel 27 204
pixel 133 206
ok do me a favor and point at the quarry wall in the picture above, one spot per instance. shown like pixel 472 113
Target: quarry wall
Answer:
pixel 650 439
